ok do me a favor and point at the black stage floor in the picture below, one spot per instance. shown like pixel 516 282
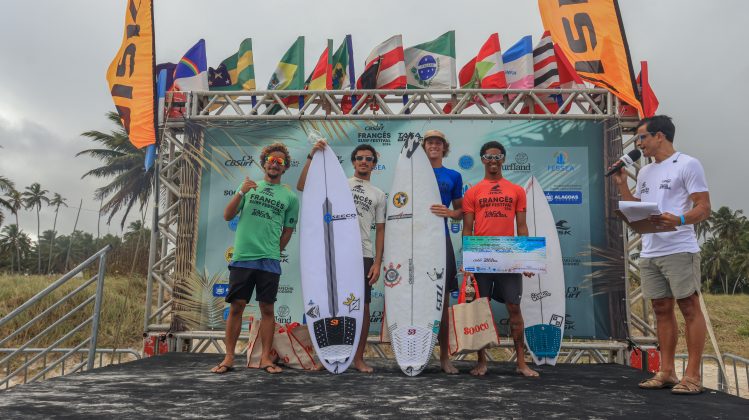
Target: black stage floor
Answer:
pixel 179 385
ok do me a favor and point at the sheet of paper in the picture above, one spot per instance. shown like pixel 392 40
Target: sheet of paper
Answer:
pixel 638 210
pixel 504 254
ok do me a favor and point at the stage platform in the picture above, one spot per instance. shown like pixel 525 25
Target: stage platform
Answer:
pixel 179 385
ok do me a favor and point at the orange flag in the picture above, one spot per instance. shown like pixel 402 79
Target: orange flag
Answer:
pixel 591 35
pixel 131 76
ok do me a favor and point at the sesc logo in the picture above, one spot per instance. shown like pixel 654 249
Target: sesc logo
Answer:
pixel 561 163
pixel 563 228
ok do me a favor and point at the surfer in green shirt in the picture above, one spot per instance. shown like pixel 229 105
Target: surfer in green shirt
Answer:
pixel 268 213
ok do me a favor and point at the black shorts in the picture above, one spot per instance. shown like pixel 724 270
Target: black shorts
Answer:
pixel 451 269
pixel 243 281
pixel 502 287
pixel 367 288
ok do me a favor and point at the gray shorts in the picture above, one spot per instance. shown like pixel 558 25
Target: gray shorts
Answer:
pixel 670 276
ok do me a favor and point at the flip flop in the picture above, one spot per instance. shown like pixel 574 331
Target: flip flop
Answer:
pixel 226 368
pixel 267 369
pixel 687 386
pixel 532 375
pixel 659 381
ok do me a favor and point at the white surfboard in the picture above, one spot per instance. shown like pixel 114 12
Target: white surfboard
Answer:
pixel 331 262
pixel 414 260
pixel 543 302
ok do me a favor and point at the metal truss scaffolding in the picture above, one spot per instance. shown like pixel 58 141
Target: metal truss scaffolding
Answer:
pixel 173 244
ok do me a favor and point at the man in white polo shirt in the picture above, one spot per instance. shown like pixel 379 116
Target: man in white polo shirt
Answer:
pixel 670 261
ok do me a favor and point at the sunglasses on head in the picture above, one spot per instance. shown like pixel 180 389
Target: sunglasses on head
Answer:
pixel 493 157
pixel 367 158
pixel 279 160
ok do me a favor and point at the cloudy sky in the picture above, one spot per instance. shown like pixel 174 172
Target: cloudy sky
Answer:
pixel 55 54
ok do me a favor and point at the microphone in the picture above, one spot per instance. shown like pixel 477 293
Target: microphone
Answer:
pixel 626 160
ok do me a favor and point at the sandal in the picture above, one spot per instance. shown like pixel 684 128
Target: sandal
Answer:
pixel 687 386
pixel 271 369
pixel 659 381
pixel 222 368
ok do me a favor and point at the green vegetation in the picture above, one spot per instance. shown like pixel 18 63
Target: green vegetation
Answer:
pixel 121 323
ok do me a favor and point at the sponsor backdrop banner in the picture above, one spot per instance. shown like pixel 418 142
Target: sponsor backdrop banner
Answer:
pixel 566 157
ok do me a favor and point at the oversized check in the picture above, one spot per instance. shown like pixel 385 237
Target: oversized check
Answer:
pixel 504 254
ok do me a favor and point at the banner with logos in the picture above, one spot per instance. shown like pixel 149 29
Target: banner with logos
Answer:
pixel 565 156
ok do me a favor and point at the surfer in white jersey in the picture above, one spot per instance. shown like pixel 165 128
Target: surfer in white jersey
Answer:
pixel 370 207
pixel 450 184
pixel 670 261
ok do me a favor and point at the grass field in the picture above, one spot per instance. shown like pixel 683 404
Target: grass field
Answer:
pixel 121 323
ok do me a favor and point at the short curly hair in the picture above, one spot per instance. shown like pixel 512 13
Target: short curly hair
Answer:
pixel 275 147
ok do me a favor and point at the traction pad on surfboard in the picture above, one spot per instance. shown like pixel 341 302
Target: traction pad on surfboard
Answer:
pixel 337 331
pixel 544 340
pixel 413 347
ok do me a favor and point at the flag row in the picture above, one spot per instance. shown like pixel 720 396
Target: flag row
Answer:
pixel 389 66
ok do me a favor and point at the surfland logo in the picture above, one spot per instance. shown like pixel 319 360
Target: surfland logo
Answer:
pixel 521 163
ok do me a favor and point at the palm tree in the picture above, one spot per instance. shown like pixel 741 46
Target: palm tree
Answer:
pixel 727 224
pixel 122 162
pixel 13 238
pixel 57 201
pixel 6 185
pixel 34 196
pixel 716 263
pixel 14 201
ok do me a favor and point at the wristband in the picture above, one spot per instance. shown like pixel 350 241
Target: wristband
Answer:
pixel 683 220
pixel 241 193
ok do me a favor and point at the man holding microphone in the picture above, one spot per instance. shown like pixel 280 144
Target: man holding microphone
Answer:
pixel 670 261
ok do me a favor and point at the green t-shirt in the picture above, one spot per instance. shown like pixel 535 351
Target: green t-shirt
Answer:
pixel 264 212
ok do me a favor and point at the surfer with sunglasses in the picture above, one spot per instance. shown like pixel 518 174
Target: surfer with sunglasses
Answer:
pixel 497 207
pixel 370 205
pixel 268 212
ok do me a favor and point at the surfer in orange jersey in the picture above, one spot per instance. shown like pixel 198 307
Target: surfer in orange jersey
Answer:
pixel 268 213
pixel 450 183
pixel 496 207
pixel 370 205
